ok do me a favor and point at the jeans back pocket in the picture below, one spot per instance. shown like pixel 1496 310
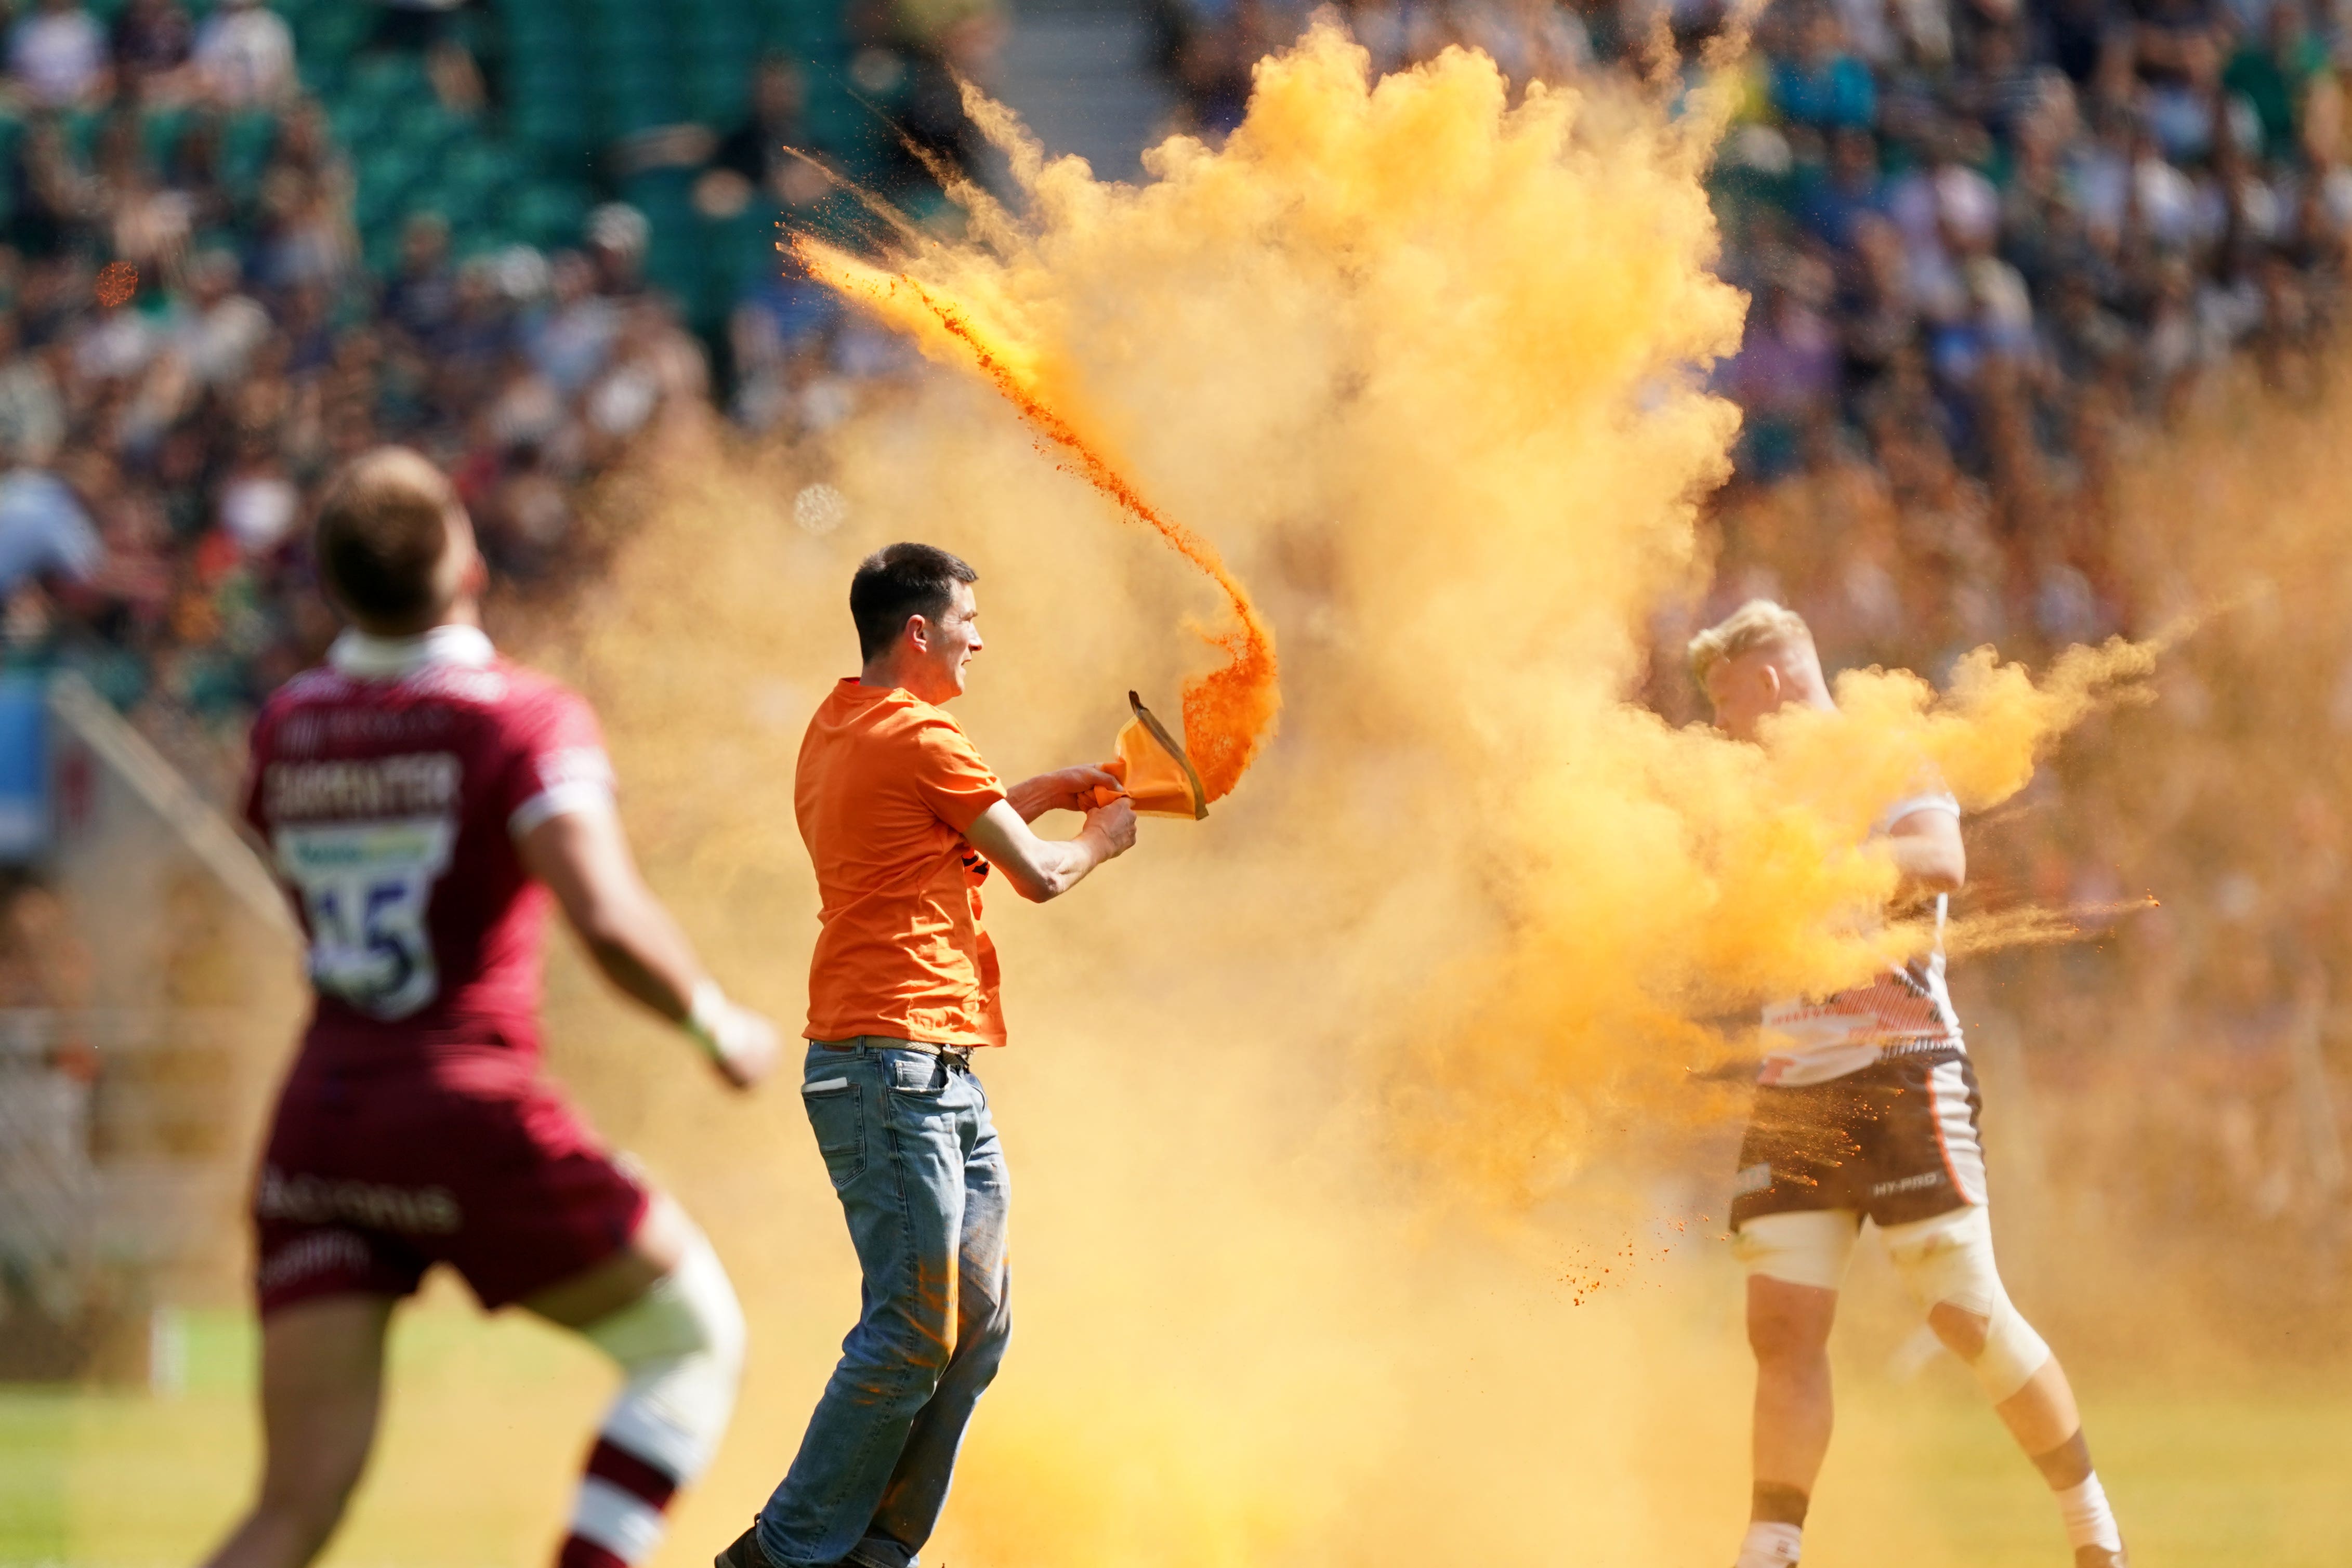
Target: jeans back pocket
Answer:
pixel 836 1113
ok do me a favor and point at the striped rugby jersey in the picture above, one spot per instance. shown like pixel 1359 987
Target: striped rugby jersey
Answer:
pixel 1908 1008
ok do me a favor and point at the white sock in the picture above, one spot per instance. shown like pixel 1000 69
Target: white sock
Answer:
pixel 1771 1545
pixel 2089 1520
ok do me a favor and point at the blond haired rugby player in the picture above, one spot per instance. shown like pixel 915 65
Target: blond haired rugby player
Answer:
pixel 1867 1110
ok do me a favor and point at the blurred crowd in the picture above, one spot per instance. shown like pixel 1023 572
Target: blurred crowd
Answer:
pixel 1985 242
pixel 188 347
pixel 190 339
pixel 1982 238
pixel 165 447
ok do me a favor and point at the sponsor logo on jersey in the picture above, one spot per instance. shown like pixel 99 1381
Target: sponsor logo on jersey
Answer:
pixel 313 1254
pixel 1919 1183
pixel 1751 1179
pixel 315 1200
pixel 309 730
pixel 415 783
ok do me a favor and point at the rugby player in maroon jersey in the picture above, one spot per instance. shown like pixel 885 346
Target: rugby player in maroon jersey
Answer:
pixel 424 801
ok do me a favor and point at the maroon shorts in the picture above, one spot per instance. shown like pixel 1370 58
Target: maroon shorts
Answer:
pixel 373 1177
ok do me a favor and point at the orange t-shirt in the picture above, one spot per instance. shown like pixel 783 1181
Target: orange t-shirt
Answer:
pixel 887 786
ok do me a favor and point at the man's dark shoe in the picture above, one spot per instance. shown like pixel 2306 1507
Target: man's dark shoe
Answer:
pixel 2099 1557
pixel 744 1554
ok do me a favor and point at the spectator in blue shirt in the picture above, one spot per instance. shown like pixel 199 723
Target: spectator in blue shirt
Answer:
pixel 44 531
pixel 1825 84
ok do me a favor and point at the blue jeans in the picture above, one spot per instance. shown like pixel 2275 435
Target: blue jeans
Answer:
pixel 908 1141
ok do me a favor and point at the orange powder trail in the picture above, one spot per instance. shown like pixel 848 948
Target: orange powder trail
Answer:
pixel 1228 711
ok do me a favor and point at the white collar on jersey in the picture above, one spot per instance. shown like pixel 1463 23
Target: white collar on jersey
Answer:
pixel 355 652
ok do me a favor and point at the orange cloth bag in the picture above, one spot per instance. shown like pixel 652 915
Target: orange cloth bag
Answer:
pixel 1158 777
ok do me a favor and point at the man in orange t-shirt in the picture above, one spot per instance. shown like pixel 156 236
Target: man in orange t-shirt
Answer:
pixel 904 822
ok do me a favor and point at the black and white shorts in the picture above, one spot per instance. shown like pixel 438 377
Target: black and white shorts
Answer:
pixel 1896 1142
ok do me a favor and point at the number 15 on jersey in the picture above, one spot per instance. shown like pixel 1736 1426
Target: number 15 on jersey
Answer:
pixel 365 887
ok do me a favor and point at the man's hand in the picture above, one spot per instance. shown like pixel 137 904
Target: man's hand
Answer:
pixel 742 1044
pixel 1067 790
pixel 1115 825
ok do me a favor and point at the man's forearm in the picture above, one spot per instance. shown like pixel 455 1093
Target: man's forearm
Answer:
pixel 582 858
pixel 1040 868
pixel 1064 789
pixel 1033 797
pixel 643 953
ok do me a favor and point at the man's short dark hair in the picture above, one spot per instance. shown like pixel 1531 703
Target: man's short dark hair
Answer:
pixel 383 530
pixel 897 582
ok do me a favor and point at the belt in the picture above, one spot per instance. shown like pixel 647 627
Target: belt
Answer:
pixel 953 1055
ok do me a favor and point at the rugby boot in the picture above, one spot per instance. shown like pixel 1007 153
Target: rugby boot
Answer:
pixel 744 1554
pixel 2099 1557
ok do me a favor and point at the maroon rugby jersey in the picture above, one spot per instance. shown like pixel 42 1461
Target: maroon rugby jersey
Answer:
pixel 390 785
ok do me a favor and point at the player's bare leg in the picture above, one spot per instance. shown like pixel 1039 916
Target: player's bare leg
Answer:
pixel 2048 1425
pixel 657 1248
pixel 321 1387
pixel 1796 1260
pixel 2041 1416
pixel 662 1308
pixel 1789 1330
pixel 1947 1263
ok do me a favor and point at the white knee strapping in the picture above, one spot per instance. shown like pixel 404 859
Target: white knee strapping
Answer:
pixel 1948 1260
pixel 1802 1246
pixel 680 1346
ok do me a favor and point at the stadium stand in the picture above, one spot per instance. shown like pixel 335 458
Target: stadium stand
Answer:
pixel 514 234
pixel 1981 237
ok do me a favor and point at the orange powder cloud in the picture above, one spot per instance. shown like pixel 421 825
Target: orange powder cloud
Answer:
pixel 1229 711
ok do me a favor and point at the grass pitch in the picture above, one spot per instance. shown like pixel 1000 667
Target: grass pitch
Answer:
pixel 487 1419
